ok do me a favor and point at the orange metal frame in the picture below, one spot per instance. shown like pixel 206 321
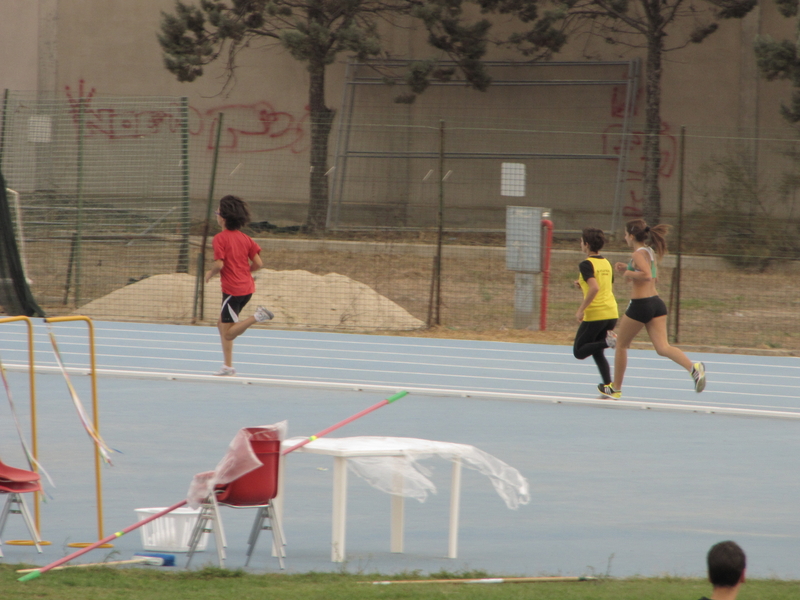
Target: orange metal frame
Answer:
pixel 96 422
pixel 34 442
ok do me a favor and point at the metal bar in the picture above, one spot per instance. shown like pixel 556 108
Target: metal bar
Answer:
pixel 434 299
pixel 480 155
pixel 547 247
pixel 20 233
pixel 499 63
pixel 625 142
pixel 199 289
pixel 183 253
pixel 104 210
pixel 455 508
pixel 338 178
pixel 440 236
pixel 70 266
pixel 342 174
pixel 98 477
pixel 79 216
pixel 3 127
pixel 522 83
pixel 677 316
pixel 32 391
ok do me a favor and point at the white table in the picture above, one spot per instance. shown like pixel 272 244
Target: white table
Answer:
pixel 343 448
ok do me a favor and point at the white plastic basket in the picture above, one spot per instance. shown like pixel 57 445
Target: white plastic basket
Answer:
pixel 170 532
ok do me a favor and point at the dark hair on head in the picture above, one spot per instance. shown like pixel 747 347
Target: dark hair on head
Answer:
pixel 655 237
pixel 235 212
pixel 594 238
pixel 726 563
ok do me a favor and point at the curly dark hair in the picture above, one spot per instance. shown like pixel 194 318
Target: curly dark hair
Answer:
pixel 235 212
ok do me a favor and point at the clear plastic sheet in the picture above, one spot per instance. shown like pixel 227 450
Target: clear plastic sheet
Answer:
pixel 238 460
pixel 391 464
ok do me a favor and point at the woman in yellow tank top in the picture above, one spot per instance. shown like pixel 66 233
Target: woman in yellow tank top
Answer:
pixel 646 308
pixel 598 313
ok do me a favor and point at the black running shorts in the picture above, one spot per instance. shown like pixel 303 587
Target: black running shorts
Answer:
pixel 232 306
pixel 645 310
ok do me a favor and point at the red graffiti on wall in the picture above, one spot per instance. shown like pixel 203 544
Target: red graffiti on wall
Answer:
pixel 114 123
pixel 612 144
pixel 619 97
pixel 256 127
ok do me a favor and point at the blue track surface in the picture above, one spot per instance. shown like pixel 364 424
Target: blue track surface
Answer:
pixel 626 491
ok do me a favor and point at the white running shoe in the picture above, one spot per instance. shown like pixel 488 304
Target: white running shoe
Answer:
pixel 699 376
pixel 611 339
pixel 225 370
pixel 262 314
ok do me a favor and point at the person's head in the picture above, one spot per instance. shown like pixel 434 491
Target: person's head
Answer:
pixel 655 237
pixel 594 239
pixel 726 564
pixel 234 212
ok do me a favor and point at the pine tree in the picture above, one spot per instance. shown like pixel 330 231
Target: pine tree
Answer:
pixel 652 25
pixel 315 32
pixel 780 60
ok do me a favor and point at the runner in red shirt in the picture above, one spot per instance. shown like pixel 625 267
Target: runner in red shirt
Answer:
pixel 236 256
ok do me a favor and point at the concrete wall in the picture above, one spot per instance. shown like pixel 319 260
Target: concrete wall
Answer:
pixel 19 52
pixel 85 47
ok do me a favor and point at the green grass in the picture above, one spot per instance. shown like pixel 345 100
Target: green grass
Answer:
pixel 220 584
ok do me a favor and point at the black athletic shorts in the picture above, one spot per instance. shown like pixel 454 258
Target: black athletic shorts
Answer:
pixel 645 310
pixel 232 306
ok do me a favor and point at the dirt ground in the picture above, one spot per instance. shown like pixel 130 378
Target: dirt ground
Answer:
pixel 725 309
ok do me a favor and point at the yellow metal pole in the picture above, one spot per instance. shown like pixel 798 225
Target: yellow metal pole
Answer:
pixel 34 442
pixel 96 422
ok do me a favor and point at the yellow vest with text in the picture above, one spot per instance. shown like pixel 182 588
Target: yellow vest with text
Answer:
pixel 604 305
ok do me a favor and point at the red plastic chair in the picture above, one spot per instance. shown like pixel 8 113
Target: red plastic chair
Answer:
pixel 15 482
pixel 255 489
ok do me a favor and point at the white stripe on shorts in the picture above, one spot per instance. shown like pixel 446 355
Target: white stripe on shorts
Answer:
pixel 226 305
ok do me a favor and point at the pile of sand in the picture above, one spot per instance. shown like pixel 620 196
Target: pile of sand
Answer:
pixel 298 299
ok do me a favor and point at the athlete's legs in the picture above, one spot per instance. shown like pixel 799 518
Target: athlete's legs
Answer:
pixel 234 330
pixel 227 344
pixel 588 338
pixel 229 332
pixel 626 331
pixel 657 330
pixel 591 341
pixel 602 366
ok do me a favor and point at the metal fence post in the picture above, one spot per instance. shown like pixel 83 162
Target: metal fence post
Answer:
pixel 675 289
pixel 199 288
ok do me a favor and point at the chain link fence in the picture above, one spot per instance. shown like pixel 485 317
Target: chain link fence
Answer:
pixel 738 239
pixel 99 188
pixel 116 227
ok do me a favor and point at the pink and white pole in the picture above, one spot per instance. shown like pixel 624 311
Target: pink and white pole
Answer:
pixel 380 404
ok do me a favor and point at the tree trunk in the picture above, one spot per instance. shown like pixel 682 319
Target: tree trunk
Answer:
pixel 321 123
pixel 652 141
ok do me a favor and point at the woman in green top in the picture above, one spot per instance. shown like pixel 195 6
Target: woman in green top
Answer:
pixel 646 308
pixel 598 313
